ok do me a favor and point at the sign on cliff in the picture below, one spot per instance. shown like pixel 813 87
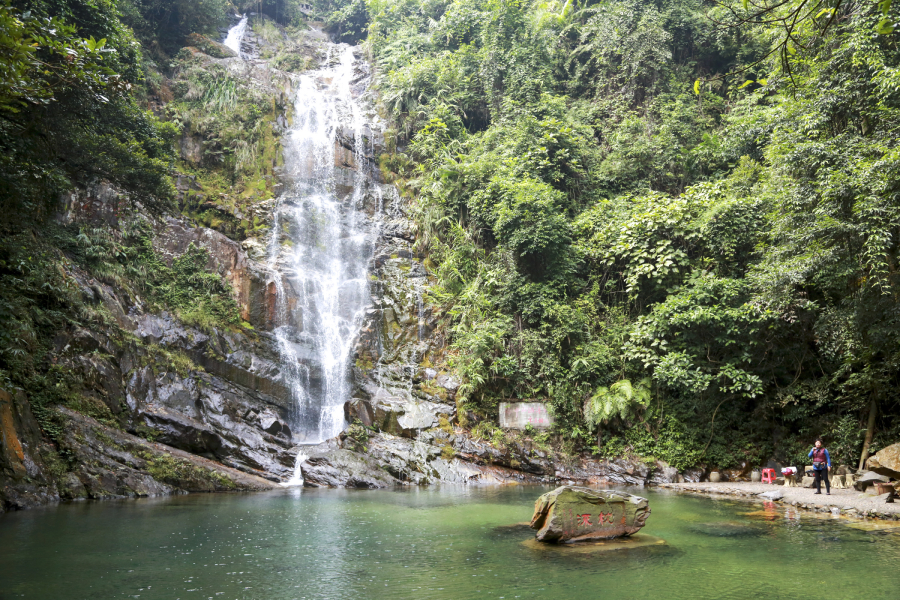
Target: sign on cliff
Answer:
pixel 517 415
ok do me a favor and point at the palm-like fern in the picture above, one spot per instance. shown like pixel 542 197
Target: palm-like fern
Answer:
pixel 620 399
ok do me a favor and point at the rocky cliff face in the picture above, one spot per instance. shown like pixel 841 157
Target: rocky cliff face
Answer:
pixel 216 394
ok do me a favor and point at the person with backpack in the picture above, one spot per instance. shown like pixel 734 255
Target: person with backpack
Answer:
pixel 821 466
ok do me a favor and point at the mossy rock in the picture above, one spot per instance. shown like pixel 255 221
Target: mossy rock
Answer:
pixel 573 514
pixel 207 46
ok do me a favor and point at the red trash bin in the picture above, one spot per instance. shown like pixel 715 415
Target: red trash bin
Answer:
pixel 768 475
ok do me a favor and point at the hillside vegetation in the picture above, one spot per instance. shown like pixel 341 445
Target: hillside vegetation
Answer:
pixel 675 221
pixel 684 241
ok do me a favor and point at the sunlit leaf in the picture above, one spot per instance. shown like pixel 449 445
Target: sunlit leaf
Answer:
pixel 884 27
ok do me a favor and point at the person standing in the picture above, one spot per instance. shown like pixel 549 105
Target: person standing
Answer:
pixel 821 466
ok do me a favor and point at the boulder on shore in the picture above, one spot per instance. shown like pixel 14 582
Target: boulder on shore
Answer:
pixel 866 478
pixel 575 514
pixel 886 462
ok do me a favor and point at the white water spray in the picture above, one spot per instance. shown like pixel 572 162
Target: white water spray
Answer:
pixel 296 479
pixel 236 36
pixel 320 247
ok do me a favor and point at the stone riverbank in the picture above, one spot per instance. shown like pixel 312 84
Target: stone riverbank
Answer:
pixel 849 503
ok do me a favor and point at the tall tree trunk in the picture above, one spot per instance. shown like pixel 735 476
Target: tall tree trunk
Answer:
pixel 870 430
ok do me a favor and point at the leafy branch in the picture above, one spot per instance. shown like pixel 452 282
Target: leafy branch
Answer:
pixel 794 18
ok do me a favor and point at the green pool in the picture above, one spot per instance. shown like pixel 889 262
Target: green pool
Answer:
pixel 441 542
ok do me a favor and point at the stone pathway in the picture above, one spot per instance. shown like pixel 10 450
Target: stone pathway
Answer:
pixel 846 502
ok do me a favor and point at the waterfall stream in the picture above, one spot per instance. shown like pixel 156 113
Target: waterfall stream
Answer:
pixel 236 36
pixel 321 243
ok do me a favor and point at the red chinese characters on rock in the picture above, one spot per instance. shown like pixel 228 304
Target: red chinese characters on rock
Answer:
pixel 568 513
pixel 601 519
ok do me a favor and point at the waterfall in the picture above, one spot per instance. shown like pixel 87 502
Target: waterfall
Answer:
pixel 321 244
pixel 236 35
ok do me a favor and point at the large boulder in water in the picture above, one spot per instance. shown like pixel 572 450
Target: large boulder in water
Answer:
pixel 886 462
pixel 574 514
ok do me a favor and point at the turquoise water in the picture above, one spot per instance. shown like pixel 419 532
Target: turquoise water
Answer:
pixel 446 542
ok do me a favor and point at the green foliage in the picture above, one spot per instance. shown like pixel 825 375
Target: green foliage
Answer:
pixel 43 54
pixel 232 122
pixel 447 452
pixel 37 301
pixel 163 25
pixel 92 407
pixel 187 286
pixel 621 399
pixel 359 434
pixel 346 20
pixel 68 116
pixel 199 297
pixel 599 209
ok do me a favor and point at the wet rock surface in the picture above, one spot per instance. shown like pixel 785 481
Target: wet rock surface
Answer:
pixel 329 465
pixel 113 464
pixel 406 461
pixel 217 394
pixel 402 417
pixel 573 514
pixel 24 478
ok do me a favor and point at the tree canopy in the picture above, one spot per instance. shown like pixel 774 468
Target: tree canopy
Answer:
pixel 619 191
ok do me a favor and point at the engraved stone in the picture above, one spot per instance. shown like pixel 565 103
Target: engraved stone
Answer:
pixel 574 514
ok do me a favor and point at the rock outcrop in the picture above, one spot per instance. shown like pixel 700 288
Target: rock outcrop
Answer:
pixel 865 479
pixel 330 466
pixel 25 457
pixel 886 462
pixel 110 463
pixel 382 459
pixel 575 514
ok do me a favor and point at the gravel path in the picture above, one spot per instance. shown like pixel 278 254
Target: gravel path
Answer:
pixel 848 502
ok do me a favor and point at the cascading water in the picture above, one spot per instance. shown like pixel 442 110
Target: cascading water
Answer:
pixel 320 246
pixel 236 36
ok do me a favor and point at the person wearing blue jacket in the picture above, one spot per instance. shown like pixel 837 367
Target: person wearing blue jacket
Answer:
pixel 821 466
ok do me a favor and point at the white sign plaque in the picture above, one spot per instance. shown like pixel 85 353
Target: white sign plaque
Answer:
pixel 516 415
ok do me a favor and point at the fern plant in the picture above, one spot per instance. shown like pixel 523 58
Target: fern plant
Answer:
pixel 622 399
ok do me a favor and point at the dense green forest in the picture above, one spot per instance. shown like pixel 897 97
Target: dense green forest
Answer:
pixel 676 221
